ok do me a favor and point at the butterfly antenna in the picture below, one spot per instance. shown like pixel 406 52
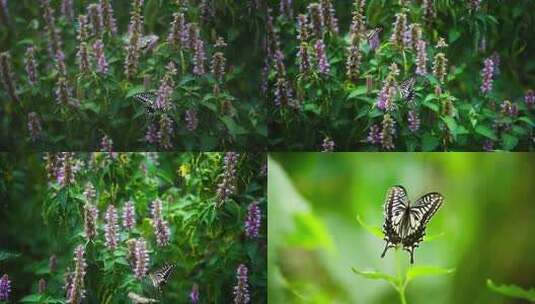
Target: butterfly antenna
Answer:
pixel 384 251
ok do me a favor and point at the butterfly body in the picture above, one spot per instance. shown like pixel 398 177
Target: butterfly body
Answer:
pixel 405 223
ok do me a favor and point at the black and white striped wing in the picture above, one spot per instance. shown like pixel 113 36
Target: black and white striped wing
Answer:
pixel 418 216
pixel 373 37
pixel 147 99
pixel 406 89
pixel 395 209
pixel 159 278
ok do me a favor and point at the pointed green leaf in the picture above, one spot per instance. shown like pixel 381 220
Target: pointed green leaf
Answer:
pixel 512 291
pixel 423 271
pixel 376 231
pixel 376 275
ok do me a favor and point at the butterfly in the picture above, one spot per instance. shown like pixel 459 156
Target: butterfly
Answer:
pixel 148 42
pixel 138 299
pixel 405 223
pixel 159 277
pixel 373 37
pixel 147 99
pixel 406 89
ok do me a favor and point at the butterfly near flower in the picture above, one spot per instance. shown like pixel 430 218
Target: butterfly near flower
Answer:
pixel 373 37
pixel 147 99
pixel 405 223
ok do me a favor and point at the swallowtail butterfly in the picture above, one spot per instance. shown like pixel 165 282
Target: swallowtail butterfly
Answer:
pixel 159 278
pixel 373 37
pixel 147 99
pixel 405 223
pixel 406 89
pixel 138 299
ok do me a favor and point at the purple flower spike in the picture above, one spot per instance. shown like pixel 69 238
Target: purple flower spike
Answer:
pixel 529 99
pixel 34 126
pixel 129 215
pixel 5 287
pixel 323 63
pixel 102 63
pixel 227 186
pixel 194 294
pixel 161 228
pixel 111 228
pixel 241 290
pixel 374 135
pixel 486 74
pixel 191 120
pixel 199 58
pixel 75 281
pixel 414 121
pixel 253 221
pixel 141 258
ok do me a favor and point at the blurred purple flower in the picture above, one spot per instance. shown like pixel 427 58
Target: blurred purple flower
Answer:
pixel 303 57
pixel 413 120
pixel 253 221
pixel 509 109
pixel 329 16
pixel 529 99
pixel 421 58
pixel 135 31
pixel 65 171
pixel 167 86
pixel 218 65
pixel 486 74
pixel 31 65
pixel 388 132
pixel 286 8
pixel 106 144
pixel 42 286
pixel 111 228
pixel 141 258
pixel 108 19
pixel 241 290
pixel 317 22
pixel 53 263
pixel 90 220
pixel 178 31
pixel 400 28
pixel 191 120
pixel 94 13
pixel 194 294
pixel 488 145
pixel 198 58
pixel 5 287
pixel 34 126
pixel 227 184
pixel 323 63
pixel 374 135
pixel 151 135
pixel 129 215
pixel 165 132
pixel 102 63
pixel 302 28
pixel 161 228
pixel 7 76
pixel 67 9
pixel 75 288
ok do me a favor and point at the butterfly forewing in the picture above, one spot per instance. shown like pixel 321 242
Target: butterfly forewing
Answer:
pixel 147 99
pixel 396 204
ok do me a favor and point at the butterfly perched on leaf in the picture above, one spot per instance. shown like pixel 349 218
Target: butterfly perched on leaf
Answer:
pixel 405 223
pixel 406 89
pixel 160 277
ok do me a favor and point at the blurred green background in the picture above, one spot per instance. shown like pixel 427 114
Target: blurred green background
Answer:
pixel 484 229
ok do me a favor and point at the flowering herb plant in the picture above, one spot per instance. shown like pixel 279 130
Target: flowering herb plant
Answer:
pixel 120 227
pixel 425 75
pixel 73 72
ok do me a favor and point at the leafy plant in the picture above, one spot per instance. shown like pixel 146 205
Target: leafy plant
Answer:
pixel 70 82
pixel 512 291
pixel 178 216
pixel 335 85
pixel 405 273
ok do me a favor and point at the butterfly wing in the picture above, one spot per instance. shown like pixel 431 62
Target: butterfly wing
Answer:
pixel 418 216
pixel 159 278
pixel 147 99
pixel 406 89
pixel 373 37
pixel 395 209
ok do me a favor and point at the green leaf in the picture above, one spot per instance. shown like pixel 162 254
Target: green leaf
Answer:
pixel 430 142
pixel 487 132
pixel 425 271
pixel 376 275
pixel 135 90
pixel 5 255
pixel 526 120
pixel 509 142
pixel 376 231
pixel 361 90
pixel 454 34
pixel 33 298
pixel 512 291
pixel 233 128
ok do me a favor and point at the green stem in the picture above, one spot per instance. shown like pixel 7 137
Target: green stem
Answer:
pixel 402 283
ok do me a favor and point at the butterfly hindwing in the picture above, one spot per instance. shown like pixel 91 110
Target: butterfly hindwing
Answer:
pixel 396 203
pixel 147 99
